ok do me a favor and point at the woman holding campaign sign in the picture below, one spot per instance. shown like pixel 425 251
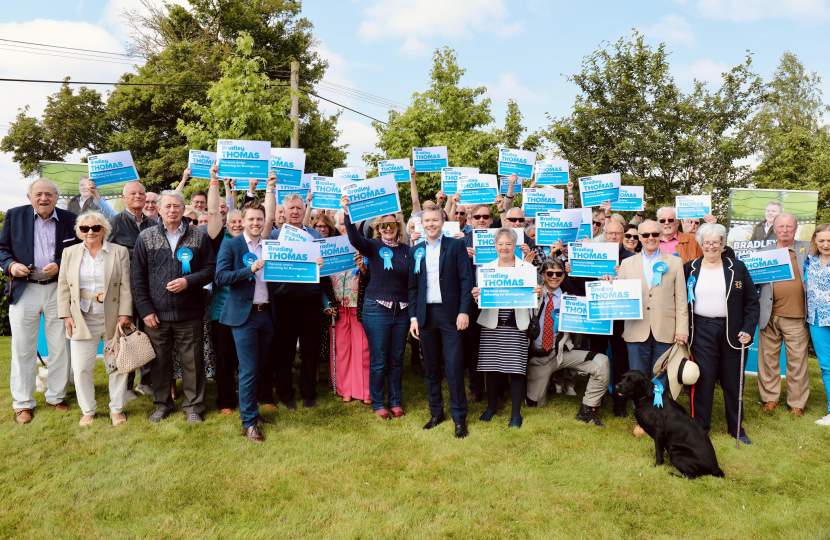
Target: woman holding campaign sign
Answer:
pixel 504 341
pixel 723 316
pixel 817 284
pixel 385 317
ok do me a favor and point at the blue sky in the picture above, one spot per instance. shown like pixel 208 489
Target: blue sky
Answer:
pixel 518 50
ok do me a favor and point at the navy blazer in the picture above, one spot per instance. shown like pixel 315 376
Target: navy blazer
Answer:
pixel 231 272
pixel 17 242
pixel 456 279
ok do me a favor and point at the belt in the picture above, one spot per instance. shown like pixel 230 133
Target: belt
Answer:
pixel 710 319
pixel 42 281
pixel 538 353
pixel 89 296
pixel 261 307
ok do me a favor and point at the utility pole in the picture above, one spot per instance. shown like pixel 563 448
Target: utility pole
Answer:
pixel 295 103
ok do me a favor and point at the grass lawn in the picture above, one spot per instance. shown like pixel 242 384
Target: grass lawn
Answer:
pixel 338 471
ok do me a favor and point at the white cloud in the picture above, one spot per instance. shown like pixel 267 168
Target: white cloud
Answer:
pixel 672 29
pixel 703 70
pixel 509 88
pixel 360 137
pixel 806 11
pixel 416 22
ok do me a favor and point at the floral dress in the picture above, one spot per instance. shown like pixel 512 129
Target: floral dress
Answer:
pixel 817 285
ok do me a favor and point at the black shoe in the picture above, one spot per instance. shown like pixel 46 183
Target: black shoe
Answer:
pixel 194 419
pixel 515 422
pixel 487 415
pixel 588 415
pixel 157 416
pixel 309 403
pixel 461 430
pixel 290 405
pixel 620 410
pixel 434 421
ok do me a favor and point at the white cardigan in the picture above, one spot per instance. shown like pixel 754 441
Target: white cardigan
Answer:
pixel 489 318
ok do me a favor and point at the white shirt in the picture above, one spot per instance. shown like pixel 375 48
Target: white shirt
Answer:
pixel 710 293
pixel 432 259
pixel 648 266
pixel 173 237
pixel 91 278
pixel 260 289
pixel 544 321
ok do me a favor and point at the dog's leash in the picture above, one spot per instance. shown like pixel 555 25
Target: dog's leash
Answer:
pixel 740 398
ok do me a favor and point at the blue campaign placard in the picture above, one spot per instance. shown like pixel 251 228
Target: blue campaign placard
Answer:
pixel 504 186
pixel 631 199
pixel 541 200
pixel 552 172
pixel 516 297
pixel 619 300
pixel 246 161
pixel 290 262
pixel 399 168
pixel 508 287
pixel 478 189
pixel 485 248
pixel 518 162
pixel 199 162
pixel 337 253
pixel 326 192
pixel 597 189
pixel 768 266
pixel 693 206
pixel 450 176
pixel 593 259
pixel 372 198
pixel 355 174
pixel 558 225
pixel 573 317
pixel 430 159
pixel 112 168
pixel 288 164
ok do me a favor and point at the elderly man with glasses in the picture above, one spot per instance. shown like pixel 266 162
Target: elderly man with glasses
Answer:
pixel 672 241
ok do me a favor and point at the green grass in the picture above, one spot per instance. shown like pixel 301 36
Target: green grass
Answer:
pixel 338 471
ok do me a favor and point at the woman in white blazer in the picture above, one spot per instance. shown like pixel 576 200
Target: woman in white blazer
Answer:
pixel 503 344
pixel 93 297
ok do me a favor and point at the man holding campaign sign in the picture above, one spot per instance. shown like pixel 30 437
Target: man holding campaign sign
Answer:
pixel 112 168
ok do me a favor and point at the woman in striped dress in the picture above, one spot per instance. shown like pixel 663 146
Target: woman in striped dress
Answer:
pixel 504 342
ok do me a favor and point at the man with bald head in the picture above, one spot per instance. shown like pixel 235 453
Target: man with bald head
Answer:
pixel 31 245
pixel 783 315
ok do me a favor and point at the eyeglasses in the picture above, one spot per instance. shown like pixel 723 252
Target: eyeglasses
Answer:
pixel 711 244
pixel 670 220
pixel 651 234
pixel 551 273
pixel 598 223
pixel 515 219
pixel 481 216
pixel 151 202
pixel 630 236
pixel 86 228
pixel 390 225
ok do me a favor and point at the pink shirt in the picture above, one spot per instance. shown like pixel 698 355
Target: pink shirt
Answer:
pixel 669 247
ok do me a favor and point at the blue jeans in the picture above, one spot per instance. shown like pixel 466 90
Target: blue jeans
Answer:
pixel 642 356
pixel 253 339
pixel 386 330
pixel 821 343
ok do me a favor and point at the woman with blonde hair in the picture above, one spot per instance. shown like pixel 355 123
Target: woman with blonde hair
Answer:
pixel 817 285
pixel 93 298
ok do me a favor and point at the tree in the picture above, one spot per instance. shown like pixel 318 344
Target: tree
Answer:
pixel 630 117
pixel 452 116
pixel 794 142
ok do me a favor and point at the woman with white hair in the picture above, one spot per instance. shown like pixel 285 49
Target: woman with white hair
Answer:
pixel 723 315
pixel 93 298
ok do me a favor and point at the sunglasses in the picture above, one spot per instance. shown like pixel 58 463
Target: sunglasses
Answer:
pixel 598 223
pixel 651 234
pixel 391 225
pixel 630 236
pixel 85 228
pixel 461 213
pixel 482 216
pixel 667 220
pixel 551 273
pixel 515 219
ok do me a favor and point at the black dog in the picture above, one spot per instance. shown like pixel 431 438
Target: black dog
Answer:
pixel 671 427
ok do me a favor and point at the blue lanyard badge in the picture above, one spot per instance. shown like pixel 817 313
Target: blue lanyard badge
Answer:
pixel 249 259
pixel 387 255
pixel 420 253
pixel 185 256
pixel 659 269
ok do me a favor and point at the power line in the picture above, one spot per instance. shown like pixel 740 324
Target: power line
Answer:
pixel 339 105
pixel 122 62
pixel 359 92
pixel 62 47
pixel 50 52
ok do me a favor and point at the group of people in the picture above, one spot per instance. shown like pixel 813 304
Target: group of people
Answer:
pixel 196 287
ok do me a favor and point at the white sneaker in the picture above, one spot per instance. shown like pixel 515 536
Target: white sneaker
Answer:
pixel 824 421
pixel 570 391
pixel 557 388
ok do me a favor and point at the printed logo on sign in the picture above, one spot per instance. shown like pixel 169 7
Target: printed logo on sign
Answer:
pixel 575 306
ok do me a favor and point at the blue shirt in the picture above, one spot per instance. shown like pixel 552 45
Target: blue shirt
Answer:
pixel 648 266
pixel 432 259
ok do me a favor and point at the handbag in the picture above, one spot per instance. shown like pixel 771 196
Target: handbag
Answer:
pixel 533 328
pixel 134 350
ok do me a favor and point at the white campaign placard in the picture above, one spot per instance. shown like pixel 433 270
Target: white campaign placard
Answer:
pixel 599 188
pixel 429 159
pixel 620 300
pixel 478 189
pixel 585 230
pixel 288 164
pixel 485 247
pixel 327 191
pixel 631 199
pixel 536 200
pixel 290 233
pixel 450 176
pixel 573 317
pixel 199 162
pixel 558 225
pixel 352 173
pixel 337 253
pixel 291 262
pixel 372 198
pixel 504 186
pixel 768 266
pixel 399 168
pixel 245 161
pixel 302 190
pixel 508 287
pixel 518 162
pixel 552 172
pixel 593 259
pixel 112 168
pixel 693 206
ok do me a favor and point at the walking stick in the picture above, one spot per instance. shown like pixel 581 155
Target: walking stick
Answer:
pixel 740 398
pixel 333 357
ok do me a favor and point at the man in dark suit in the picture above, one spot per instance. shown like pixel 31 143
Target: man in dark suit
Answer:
pixel 31 246
pixel 440 299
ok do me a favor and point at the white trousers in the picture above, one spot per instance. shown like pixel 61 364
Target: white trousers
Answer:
pixel 24 319
pixel 84 354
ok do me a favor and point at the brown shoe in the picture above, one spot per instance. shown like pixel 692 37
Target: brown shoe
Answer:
pixel 473 398
pixel 270 406
pixel 62 407
pixel 638 431
pixel 228 412
pixel 23 416
pixel 769 406
pixel 253 434
pixel 797 412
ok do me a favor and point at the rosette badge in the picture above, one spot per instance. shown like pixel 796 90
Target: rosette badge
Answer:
pixel 387 255
pixel 249 259
pixel 184 255
pixel 420 253
pixel 659 269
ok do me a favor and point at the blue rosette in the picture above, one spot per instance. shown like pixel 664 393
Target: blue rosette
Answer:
pixel 249 259
pixel 659 269
pixel 184 255
pixel 691 286
pixel 386 254
pixel 420 253
pixel 658 394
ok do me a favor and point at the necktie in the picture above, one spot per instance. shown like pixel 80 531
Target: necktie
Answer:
pixel 547 334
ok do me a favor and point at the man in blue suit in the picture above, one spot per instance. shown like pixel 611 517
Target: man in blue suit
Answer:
pixel 31 246
pixel 440 299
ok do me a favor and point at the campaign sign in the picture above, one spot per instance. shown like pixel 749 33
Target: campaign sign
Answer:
pixel 597 189
pixel 290 233
pixel 450 176
pixel 518 162
pixel 593 259
pixel 337 254
pixel 693 206
pixel 431 159
pixel 535 200
pixel 585 230
pixel 552 172
pixel 504 185
pixel 399 168
pixel 558 225
pixel 573 317
pixel 508 287
pixel 302 190
pixel 352 173
pixel 485 246
pixel 199 162
pixel 478 189
pixel 620 300
pixel 288 164
pixel 290 262
pixel 243 160
pixel 631 199
pixel 372 198
pixel 450 228
pixel 768 266
pixel 327 192
pixel 112 168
